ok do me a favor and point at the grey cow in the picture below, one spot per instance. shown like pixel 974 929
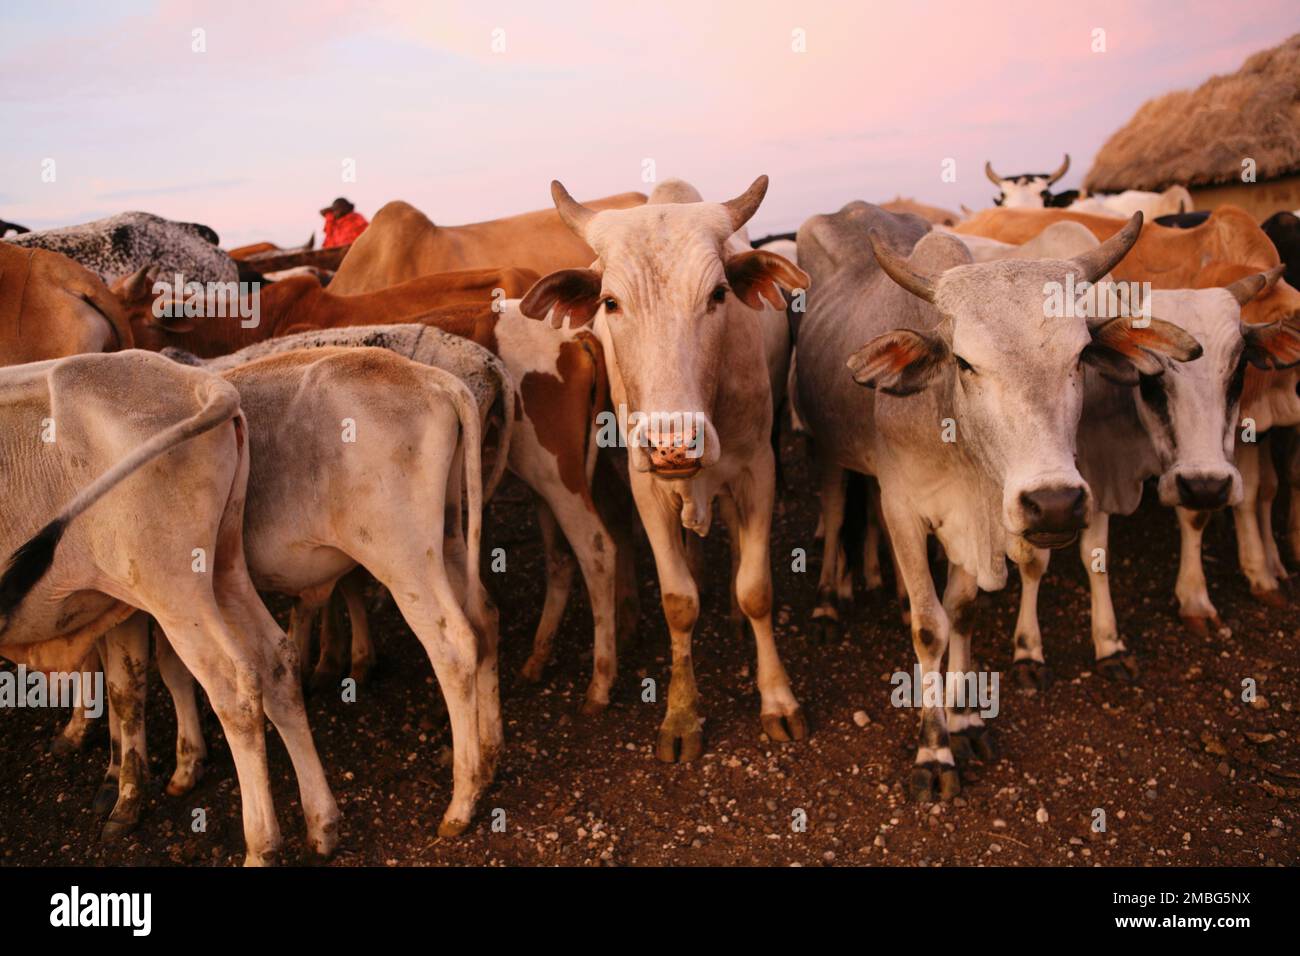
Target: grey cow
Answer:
pixel 967 420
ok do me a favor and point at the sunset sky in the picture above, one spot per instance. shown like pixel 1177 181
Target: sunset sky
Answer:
pixel 250 136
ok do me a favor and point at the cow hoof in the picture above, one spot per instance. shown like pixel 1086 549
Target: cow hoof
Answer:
pixel 182 783
pixel 265 858
pixel 115 830
pixel 1031 674
pixel 532 670
pixel 826 630
pixel 1121 667
pixel 61 746
pixel 785 727
pixel 672 747
pixel 323 683
pixel 593 708
pixel 974 743
pixel 927 777
pixel 1270 598
pixel 452 828
pixel 982 742
pixel 105 798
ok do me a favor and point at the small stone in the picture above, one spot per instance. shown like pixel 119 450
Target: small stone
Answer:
pixel 860 718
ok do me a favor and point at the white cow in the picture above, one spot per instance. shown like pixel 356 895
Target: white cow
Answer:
pixel 166 538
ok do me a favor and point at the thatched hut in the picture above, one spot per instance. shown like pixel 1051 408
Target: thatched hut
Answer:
pixel 1202 139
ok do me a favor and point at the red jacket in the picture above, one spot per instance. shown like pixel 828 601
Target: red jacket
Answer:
pixel 340 232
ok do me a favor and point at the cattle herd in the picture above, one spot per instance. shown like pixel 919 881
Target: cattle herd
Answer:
pixel 175 444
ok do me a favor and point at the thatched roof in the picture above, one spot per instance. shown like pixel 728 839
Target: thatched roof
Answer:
pixel 1200 137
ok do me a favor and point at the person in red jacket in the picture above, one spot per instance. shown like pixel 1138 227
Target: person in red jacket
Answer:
pixel 342 223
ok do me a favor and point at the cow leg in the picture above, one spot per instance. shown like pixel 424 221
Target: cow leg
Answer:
pixel 934 765
pixel 731 518
pixel 1194 606
pixel 617 512
pixel 332 663
pixel 681 734
pixel 73 735
pixel 106 796
pixel 191 748
pixel 966 729
pixel 751 498
pixel 1028 664
pixel 1264 508
pixel 559 580
pixel 352 587
pixel 1293 483
pixel 1113 659
pixel 302 622
pixel 871 572
pixel 126 670
pixel 1250 546
pixel 826 615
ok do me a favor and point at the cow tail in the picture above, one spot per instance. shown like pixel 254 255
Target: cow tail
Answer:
pixel 31 561
pixel 503 405
pixel 471 439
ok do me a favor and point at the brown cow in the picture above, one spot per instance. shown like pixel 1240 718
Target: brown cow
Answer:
pixel 300 304
pixel 403 243
pixel 51 307
pixel 1226 247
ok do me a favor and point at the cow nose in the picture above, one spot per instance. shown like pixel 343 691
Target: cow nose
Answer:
pixel 1203 494
pixel 674 453
pixel 1054 509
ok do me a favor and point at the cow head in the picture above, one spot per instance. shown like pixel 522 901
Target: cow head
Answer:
pixel 1013 378
pixel 664 290
pixel 1027 190
pixel 1190 410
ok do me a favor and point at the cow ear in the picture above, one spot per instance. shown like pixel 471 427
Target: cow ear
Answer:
pixel 571 293
pixel 1121 348
pixel 902 362
pixel 757 276
pixel 1274 346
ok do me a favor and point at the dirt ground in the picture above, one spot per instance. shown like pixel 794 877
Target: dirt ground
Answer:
pixel 1185 771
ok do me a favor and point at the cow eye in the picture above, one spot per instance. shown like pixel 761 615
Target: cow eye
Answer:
pixel 719 294
pixel 611 304
pixel 964 365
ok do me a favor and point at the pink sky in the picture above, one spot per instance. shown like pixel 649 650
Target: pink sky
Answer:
pixel 250 136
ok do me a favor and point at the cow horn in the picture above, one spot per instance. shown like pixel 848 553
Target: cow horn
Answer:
pixel 1095 263
pixel 1065 168
pixel 898 269
pixel 575 214
pixel 743 207
pixel 994 178
pixel 1247 287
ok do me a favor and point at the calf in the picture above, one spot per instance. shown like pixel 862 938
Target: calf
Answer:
pixel 167 539
pixel 967 420
pixel 678 308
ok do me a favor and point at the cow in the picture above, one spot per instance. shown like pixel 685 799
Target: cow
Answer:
pixel 1173 201
pixel 145 511
pixel 562 387
pixel 403 243
pixel 932 214
pixel 1029 190
pixel 320 503
pixel 1283 230
pixel 258 248
pixel 962 400
pixel 51 307
pixel 121 244
pixel 677 307
pixel 11 227
pixel 1226 247
pixel 300 304
pixel 1175 423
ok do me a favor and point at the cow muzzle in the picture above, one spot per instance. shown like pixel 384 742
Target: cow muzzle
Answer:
pixel 1055 515
pixel 672 447
pixel 1200 489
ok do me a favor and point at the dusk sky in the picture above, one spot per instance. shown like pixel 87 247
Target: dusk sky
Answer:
pixel 251 135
